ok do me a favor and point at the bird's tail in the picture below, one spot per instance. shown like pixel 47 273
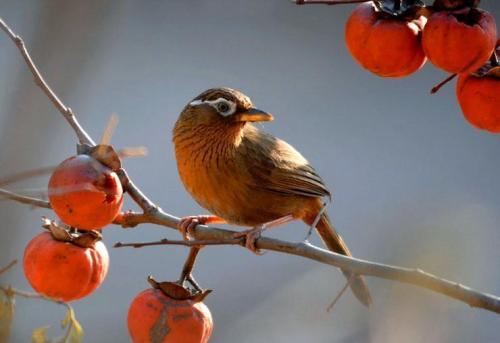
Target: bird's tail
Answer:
pixel 335 243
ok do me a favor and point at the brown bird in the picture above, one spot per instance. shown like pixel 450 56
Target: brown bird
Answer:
pixel 247 177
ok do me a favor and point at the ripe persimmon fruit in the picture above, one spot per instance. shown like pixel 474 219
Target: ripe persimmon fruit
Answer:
pixel 479 99
pixel 62 270
pixel 388 46
pixel 84 193
pixel 459 41
pixel 165 315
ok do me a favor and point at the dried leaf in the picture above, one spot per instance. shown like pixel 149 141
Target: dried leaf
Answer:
pixel 58 232
pixel 107 155
pixel 7 310
pixel 39 335
pixel 87 239
pixel 75 331
pixel 175 291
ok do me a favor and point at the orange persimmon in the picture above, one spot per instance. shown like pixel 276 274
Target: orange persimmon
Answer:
pixel 85 193
pixel 459 41
pixel 388 46
pixel 157 317
pixel 63 270
pixel 479 99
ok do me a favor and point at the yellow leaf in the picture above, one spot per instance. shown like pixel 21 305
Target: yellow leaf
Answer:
pixel 39 335
pixel 75 331
pixel 7 309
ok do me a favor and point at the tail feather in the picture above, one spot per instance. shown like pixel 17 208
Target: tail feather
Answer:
pixel 335 243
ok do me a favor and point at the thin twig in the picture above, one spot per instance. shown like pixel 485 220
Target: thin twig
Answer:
pixel 26 175
pixel 83 137
pixel 339 295
pixel 155 215
pixel 128 152
pixel 30 295
pixel 7 267
pixel 193 243
pixel 24 199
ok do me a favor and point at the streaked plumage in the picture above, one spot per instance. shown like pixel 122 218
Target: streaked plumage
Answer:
pixel 244 175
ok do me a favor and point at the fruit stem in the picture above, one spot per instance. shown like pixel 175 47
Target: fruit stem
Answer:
pixel 188 268
pixel 327 2
pixel 437 87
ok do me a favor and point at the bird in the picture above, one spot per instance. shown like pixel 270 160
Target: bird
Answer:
pixel 246 177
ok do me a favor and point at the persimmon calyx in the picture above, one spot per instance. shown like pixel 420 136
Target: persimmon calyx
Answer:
pixel 61 232
pixel 175 291
pixel 452 5
pixel 103 153
pixel 400 8
pixel 492 67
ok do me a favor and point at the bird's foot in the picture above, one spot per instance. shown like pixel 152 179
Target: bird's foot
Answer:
pixel 251 236
pixel 315 223
pixel 188 224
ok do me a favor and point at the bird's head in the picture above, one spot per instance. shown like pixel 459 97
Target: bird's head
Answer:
pixel 223 106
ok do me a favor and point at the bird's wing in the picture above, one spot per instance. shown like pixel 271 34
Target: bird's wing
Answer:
pixel 276 166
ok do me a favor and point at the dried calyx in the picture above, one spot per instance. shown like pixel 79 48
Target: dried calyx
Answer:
pixel 492 67
pixel 175 291
pixel 400 8
pixel 452 5
pixel 63 233
pixel 105 154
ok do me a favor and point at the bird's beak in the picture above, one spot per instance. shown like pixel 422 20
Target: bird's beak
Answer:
pixel 253 114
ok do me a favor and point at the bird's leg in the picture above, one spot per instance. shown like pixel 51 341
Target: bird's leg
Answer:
pixel 185 226
pixel 252 235
pixel 186 274
pixel 315 222
pixel 189 223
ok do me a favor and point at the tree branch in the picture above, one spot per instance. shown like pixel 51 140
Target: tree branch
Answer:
pixel 153 214
pixel 24 199
pixel 68 114
pixel 7 267
pixel 26 175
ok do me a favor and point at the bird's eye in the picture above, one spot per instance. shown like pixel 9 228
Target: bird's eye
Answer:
pixel 223 107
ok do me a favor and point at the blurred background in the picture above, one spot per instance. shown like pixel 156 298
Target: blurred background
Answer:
pixel 413 183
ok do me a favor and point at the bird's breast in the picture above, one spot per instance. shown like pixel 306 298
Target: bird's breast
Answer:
pixel 209 173
pixel 221 184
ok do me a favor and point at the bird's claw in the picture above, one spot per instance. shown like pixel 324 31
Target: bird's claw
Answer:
pixel 188 224
pixel 251 237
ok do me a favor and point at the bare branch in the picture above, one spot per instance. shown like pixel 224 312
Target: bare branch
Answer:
pixel 30 295
pixel 406 275
pixel 139 151
pixel 83 137
pixel 26 175
pixel 24 199
pixel 193 243
pixel 154 215
pixel 7 267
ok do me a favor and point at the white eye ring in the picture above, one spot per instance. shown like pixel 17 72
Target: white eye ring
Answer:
pixel 223 106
